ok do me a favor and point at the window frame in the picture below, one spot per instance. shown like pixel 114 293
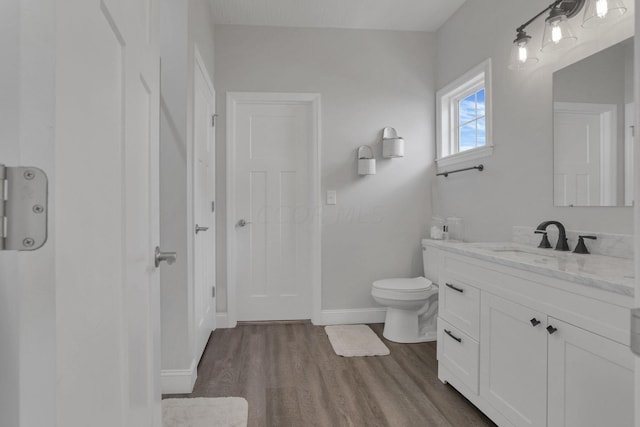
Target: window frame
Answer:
pixel 447 113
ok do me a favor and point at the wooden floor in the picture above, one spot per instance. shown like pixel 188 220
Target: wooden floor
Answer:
pixel 290 376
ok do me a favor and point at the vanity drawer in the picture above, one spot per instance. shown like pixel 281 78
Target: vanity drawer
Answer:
pixel 459 354
pixel 459 304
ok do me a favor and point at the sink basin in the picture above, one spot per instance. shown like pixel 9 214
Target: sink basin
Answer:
pixel 524 251
pixel 508 249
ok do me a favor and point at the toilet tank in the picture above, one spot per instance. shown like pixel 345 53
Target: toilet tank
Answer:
pixel 431 262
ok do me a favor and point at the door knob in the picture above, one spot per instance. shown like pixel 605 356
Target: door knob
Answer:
pixel 243 223
pixel 199 229
pixel 169 257
pixel 534 322
pixel 551 329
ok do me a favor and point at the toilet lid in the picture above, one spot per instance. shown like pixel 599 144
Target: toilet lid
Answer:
pixel 407 285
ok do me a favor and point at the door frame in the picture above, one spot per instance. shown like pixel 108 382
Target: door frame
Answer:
pixel 199 66
pixel 608 143
pixel 315 201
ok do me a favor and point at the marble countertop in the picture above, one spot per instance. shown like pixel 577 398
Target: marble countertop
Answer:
pixel 598 271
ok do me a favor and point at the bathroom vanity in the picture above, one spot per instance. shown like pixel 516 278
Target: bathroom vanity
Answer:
pixel 535 337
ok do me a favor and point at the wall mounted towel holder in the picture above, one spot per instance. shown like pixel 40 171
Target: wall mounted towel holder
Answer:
pixel 446 173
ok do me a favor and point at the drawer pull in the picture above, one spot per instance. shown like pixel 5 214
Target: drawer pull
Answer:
pixel 551 329
pixel 534 322
pixel 452 336
pixel 449 285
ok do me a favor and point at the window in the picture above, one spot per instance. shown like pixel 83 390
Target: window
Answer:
pixel 464 117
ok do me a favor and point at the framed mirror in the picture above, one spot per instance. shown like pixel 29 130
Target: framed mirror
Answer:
pixel 593 125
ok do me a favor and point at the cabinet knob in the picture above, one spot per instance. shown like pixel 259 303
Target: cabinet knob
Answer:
pixel 534 322
pixel 551 329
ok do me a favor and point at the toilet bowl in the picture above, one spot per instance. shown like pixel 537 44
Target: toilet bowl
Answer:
pixel 411 308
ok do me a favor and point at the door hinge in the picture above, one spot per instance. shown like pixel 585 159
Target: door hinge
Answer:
pixel 23 208
pixel 213 206
pixel 213 292
pixel 213 120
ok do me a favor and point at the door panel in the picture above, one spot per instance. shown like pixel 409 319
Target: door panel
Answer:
pixel 203 187
pixel 577 158
pixel 272 179
pixel 590 379
pixel 107 106
pixel 513 361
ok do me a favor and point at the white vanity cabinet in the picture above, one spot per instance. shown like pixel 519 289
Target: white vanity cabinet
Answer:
pixel 532 350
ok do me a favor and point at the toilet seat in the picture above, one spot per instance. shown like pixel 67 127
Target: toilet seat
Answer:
pixel 409 285
pixel 404 289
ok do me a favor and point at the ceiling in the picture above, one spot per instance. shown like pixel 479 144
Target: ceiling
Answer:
pixel 403 15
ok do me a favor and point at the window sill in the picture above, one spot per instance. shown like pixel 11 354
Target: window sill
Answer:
pixel 465 156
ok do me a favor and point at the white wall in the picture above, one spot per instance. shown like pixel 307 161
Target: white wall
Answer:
pixel 516 187
pixel 184 24
pixel 27 290
pixel 368 80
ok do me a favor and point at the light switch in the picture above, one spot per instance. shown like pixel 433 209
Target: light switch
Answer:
pixel 332 198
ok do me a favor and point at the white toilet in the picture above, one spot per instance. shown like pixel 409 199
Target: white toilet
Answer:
pixel 412 306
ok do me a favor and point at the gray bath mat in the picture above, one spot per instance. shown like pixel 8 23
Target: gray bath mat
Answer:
pixel 355 340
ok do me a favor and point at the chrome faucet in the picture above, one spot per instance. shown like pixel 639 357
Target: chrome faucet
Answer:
pixel 562 234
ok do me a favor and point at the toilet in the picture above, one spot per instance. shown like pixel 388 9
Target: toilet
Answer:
pixel 412 306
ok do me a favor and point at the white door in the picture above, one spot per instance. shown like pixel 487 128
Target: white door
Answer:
pixel 203 209
pixel 584 154
pixel 107 287
pixel 273 216
pixel 513 360
pixel 590 379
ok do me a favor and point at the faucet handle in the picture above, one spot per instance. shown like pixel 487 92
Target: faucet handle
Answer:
pixel 581 248
pixel 544 243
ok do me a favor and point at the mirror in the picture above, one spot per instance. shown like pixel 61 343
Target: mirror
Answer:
pixel 593 123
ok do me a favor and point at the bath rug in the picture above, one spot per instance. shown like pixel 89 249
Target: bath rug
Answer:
pixel 355 340
pixel 205 412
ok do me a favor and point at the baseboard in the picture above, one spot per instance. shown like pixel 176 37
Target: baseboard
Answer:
pixel 353 316
pixel 179 381
pixel 222 321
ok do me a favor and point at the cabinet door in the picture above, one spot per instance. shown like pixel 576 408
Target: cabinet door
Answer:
pixel 590 379
pixel 513 360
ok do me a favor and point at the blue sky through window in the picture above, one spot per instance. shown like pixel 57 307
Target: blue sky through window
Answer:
pixel 471 121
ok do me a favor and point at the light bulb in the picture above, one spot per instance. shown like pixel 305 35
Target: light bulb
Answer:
pixel 602 8
pixel 556 34
pixel 522 53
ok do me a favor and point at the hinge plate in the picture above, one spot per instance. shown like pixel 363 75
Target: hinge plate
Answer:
pixel 24 210
pixel 213 292
pixel 213 120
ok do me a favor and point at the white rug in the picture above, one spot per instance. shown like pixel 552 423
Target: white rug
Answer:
pixel 205 412
pixel 355 340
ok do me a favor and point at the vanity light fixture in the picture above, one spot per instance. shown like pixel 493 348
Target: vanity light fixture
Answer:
pixel 557 30
pixel 602 11
pixel 521 53
pixel 366 162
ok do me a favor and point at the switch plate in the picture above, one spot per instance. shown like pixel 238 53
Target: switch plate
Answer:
pixel 332 198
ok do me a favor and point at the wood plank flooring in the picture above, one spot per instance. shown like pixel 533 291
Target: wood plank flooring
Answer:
pixel 290 376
